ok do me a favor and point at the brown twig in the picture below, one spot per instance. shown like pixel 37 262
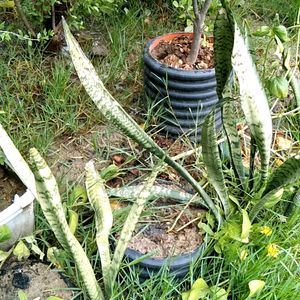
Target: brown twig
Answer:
pixel 53 18
pixel 198 27
pixel 23 17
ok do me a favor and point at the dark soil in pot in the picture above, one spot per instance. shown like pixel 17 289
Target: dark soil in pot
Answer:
pixel 183 94
pixel 10 185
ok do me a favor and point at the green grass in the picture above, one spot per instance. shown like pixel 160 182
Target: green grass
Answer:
pixel 41 100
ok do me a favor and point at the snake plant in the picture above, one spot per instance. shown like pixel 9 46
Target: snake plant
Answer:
pixel 103 217
pixel 116 115
pixel 49 198
pixel 157 191
pixel 255 107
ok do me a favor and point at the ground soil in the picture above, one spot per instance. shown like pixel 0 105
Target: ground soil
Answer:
pixel 162 238
pixel 37 280
pixel 69 154
pixel 10 185
pixel 174 53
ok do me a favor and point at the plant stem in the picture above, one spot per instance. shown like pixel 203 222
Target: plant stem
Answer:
pixel 198 25
pixel 23 17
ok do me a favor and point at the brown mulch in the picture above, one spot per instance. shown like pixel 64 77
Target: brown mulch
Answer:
pixel 163 239
pixel 174 53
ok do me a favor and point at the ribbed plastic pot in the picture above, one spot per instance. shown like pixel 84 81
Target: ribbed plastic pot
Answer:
pixel 187 96
pixel 178 266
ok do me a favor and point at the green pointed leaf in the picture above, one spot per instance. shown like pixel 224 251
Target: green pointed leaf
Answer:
pixel 104 219
pixel 49 198
pixel 131 221
pixel 287 173
pixel 229 122
pixel 22 295
pixel 5 233
pixel 78 195
pixel 262 31
pixel 199 290
pixel 21 251
pixel 157 191
pixel 206 228
pixel 278 87
pixel 253 100
pixel 274 197
pixel 281 32
pixel 223 44
pixel 54 298
pixel 109 172
pixel 293 210
pixel 73 220
pixel 255 286
pixel 212 160
pixel 246 227
pixel 4 255
pixel 218 293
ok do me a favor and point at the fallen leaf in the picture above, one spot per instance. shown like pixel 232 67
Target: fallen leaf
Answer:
pixel 118 159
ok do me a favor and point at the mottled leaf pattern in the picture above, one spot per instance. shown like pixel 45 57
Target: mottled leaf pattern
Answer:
pixel 212 160
pixel 253 99
pixel 115 114
pixel 49 198
pixel 157 191
pixel 229 122
pixel 287 173
pixel 131 222
pixel 104 219
pixel 293 210
pixel 223 44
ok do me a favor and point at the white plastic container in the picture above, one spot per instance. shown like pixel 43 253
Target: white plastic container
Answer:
pixel 19 216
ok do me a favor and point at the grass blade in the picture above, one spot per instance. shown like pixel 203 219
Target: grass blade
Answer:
pixel 212 160
pixel 49 198
pixel 104 219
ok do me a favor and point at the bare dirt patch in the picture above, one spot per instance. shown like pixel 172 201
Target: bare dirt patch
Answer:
pixel 37 280
pixel 175 52
pixel 69 154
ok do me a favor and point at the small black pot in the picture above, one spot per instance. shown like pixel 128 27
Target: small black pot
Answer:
pixel 187 95
pixel 177 265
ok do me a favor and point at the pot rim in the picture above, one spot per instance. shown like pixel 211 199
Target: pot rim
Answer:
pixel 176 261
pixel 170 36
pixel 151 44
pixel 17 207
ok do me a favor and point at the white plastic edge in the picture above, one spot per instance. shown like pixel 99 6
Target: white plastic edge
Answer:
pixel 16 161
pixel 20 203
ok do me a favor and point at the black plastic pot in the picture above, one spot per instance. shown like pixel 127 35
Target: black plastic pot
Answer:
pixel 187 96
pixel 177 265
